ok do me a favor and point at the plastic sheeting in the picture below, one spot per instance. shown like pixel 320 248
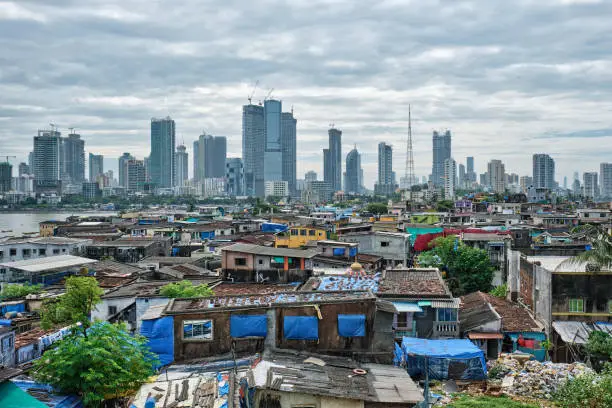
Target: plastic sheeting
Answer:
pixel 248 326
pixel 351 325
pixel 272 227
pixel 338 251
pixel 160 333
pixel 18 307
pixel 446 359
pixel 301 328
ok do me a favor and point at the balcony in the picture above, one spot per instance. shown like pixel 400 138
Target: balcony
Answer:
pixel 445 330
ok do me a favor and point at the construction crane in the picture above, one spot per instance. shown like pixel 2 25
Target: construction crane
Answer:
pixel 250 97
pixel 7 157
pixel 268 95
pixel 71 130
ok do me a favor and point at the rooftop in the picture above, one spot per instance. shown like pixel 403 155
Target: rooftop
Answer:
pixel 557 263
pixel 413 282
pixel 514 317
pixel 43 240
pixel 48 263
pixel 578 332
pixel 269 251
pixel 227 289
pixel 147 289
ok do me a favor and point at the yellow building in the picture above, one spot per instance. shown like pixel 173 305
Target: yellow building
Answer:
pixel 297 237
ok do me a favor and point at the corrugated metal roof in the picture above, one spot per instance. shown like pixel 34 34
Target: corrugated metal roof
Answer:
pixel 578 332
pixel 484 336
pixel 51 262
pixel 406 307
pixel 449 303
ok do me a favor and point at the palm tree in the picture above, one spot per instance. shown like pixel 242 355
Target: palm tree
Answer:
pixel 598 255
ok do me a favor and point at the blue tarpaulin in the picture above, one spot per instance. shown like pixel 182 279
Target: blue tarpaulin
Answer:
pixel 465 360
pixel 353 251
pixel 19 308
pixel 351 325
pixel 272 227
pixel 160 333
pixel 248 326
pixel 301 328
pixel 338 251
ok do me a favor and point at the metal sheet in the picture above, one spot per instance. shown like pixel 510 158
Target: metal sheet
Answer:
pixel 406 307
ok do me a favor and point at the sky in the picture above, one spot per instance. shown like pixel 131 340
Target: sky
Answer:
pixel 508 78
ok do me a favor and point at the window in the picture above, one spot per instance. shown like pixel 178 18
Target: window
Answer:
pixel 576 305
pixel 13 252
pixel 198 330
pixel 294 232
pixel 303 233
pixel 1 254
pixel 63 249
pixel 55 251
pixel 609 306
pixel 312 233
pixel 112 310
pixel 42 252
pixel 260 262
pixel 447 315
pixel 384 244
pixel 26 252
pixel 240 261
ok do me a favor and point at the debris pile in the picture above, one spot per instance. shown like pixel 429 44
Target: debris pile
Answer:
pixel 534 379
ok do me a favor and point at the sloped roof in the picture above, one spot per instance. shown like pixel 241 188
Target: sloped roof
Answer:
pixel 515 318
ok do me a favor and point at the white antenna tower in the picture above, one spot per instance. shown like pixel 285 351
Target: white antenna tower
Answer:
pixel 409 171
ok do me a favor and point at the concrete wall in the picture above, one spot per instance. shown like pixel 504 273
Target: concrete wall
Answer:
pixel 143 304
pixel 397 250
pixel 229 261
pixel 101 310
pixel 595 289
pixel 542 296
pixel 294 399
pixel 34 248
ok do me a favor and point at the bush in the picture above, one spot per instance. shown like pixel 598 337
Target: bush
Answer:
pixel 500 291
pixel 466 401
pixel 18 291
pixel 589 390
pixel 185 289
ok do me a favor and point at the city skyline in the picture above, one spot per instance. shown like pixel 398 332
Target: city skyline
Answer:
pixel 490 84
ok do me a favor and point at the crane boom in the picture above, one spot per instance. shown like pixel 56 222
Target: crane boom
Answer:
pixel 250 97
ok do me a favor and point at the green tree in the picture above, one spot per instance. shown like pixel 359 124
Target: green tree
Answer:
pixel 185 289
pixel 377 208
pixel 82 295
pixel 13 291
pixel 105 364
pixel 444 205
pixel 599 256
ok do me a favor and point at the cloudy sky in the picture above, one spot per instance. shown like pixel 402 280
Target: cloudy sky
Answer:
pixel 509 78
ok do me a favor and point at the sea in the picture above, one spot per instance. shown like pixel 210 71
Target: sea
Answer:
pixel 18 223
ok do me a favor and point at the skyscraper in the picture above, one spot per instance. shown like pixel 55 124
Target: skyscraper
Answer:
pixel 462 177
pixel 73 159
pixel 543 171
pixel 163 143
pixel 441 152
pixel 449 177
pixel 212 152
pixel 47 156
pixel 353 173
pixel 310 176
pixel 96 166
pixel 234 176
pixel 24 169
pixel 605 179
pixel 196 160
pixel 182 165
pixel 253 139
pixel 332 160
pixel 590 186
pixel 273 157
pixel 496 176
pixel 122 168
pixel 6 177
pixel 135 175
pixel 385 184
pixel 288 149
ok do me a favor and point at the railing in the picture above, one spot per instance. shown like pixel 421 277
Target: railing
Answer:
pixel 445 329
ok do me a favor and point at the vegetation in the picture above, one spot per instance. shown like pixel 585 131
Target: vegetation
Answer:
pixel 377 208
pixel 467 269
pixel 599 256
pixel 105 364
pixel 185 289
pixel 466 401
pixel 589 390
pixel 444 205
pixel 500 291
pixel 599 348
pixel 12 291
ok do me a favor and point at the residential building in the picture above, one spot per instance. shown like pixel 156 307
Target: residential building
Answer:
pixel 317 192
pixel 123 161
pixel 462 177
pixel 234 177
pixel 386 182
pixel 298 236
pixel 73 159
pixel 135 176
pixel 605 179
pixel 525 182
pixel 590 185
pixel 332 160
pixel 129 250
pixel 212 187
pixel 496 176
pixel 24 169
pixel 46 270
pixel 441 152
pixel 543 171
pixel 212 152
pixel 91 190
pixel 23 183
pixel 393 247
pixel 6 177
pixel 353 181
pixel 310 176
pixel 163 145
pixel 278 188
pixel 182 165
pixel 288 149
pixel 273 156
pixel 96 166
pixel 253 145
pixel 47 156
pixel 449 175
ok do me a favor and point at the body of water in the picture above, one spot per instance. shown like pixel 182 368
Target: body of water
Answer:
pixel 24 222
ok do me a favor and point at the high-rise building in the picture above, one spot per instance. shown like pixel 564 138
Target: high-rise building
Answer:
pixel 511 179
pixel 450 177
pixel 212 152
pixel 91 190
pixel 441 152
pixel 288 149
pixel 182 165
pixel 332 160
pixel 565 182
pixel 47 156
pixel 543 171
pixel 163 144
pixel 470 164
pixel 462 177
pixel 96 166
pixel 135 175
pixel 605 179
pixel 385 184
pixel 6 177
pixel 496 176
pixel 310 176
pixel 590 186
pixel 234 176
pixel 24 169
pixel 122 169
pixel 253 139
pixel 353 174
pixel 31 161
pixel 273 156
pixel 72 159
pixel 196 160
pixel 525 182
pixel 277 188
pixel 316 192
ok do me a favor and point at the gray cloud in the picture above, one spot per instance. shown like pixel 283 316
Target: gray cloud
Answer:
pixel 505 77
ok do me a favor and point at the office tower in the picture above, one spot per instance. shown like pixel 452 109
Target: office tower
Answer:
pixel 565 182
pixel 288 149
pixel 441 152
pixel 47 156
pixel 470 165
pixel 462 177
pixel 234 176
pixel 31 161
pixel 123 161
pixel 449 177
pixel 277 188
pixel 212 152
pixel 310 176
pixel 182 165
pixel 147 166
pixel 163 143
pixel 73 159
pixel 385 184
pixel 353 174
pixel 332 160
pixel 96 166
pixel 605 179
pixel 135 175
pixel 23 169
pixel 496 176
pixel 512 178
pixel 273 157
pixel 196 160
pixel 91 190
pixel 590 185
pixel 543 171
pixel 6 177
pixel 253 139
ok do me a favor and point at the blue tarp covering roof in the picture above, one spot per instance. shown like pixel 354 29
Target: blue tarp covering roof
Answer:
pixel 351 325
pixel 12 307
pixel 272 227
pixel 440 355
pixel 160 333
pixel 301 328
pixel 248 326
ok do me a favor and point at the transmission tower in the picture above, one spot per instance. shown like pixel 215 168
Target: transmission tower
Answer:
pixel 409 172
